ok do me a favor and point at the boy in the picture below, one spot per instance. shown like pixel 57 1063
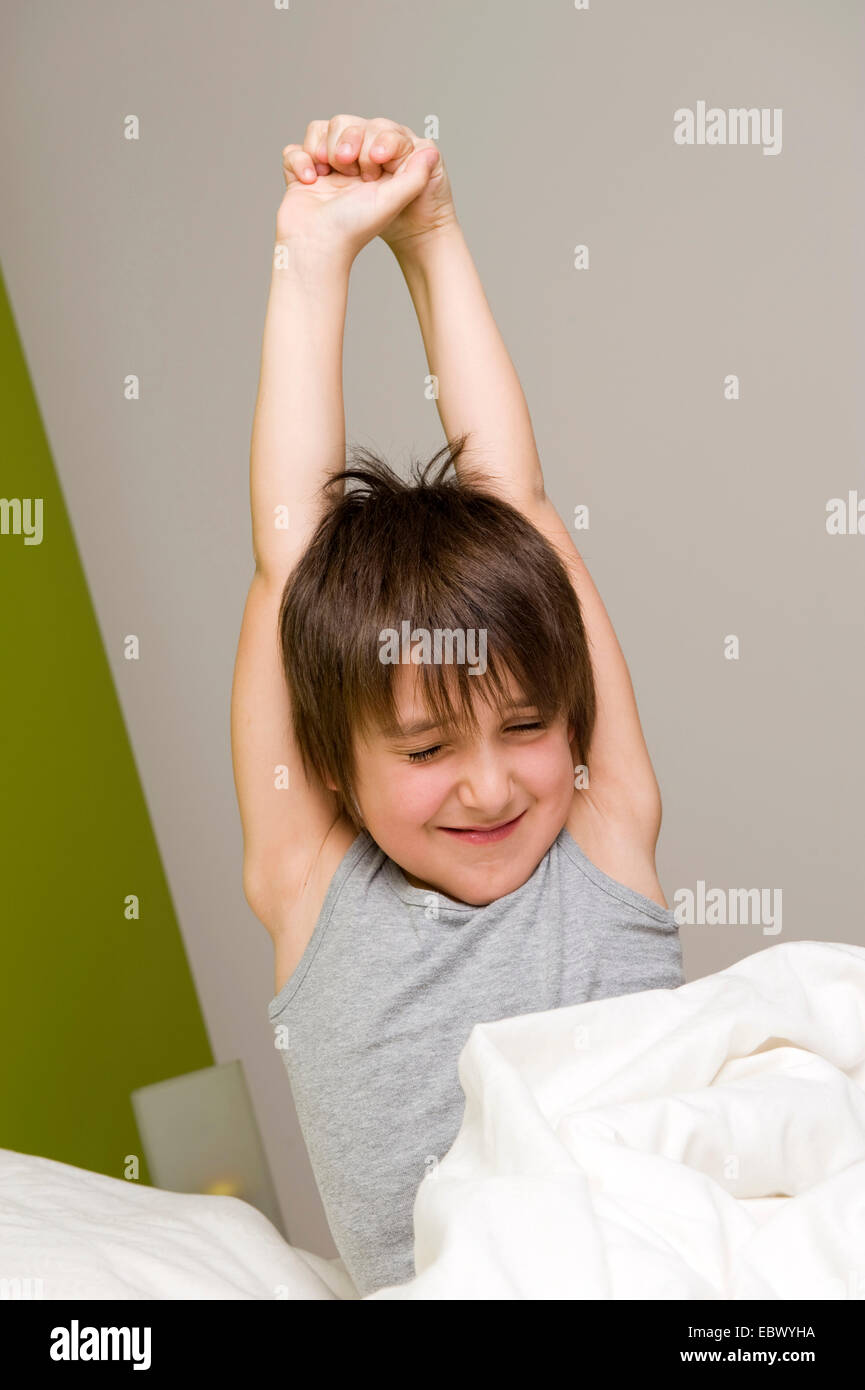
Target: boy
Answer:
pixel 434 862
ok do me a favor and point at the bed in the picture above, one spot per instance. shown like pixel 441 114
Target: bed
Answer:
pixel 700 1143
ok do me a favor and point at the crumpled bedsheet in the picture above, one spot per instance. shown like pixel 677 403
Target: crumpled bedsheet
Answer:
pixel 706 1142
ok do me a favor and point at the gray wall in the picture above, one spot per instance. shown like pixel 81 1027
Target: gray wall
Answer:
pixel 708 516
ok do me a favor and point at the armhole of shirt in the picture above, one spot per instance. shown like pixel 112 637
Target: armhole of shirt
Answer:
pixel 350 860
pixel 665 916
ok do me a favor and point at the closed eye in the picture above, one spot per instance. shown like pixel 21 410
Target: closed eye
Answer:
pixel 423 755
pixel 426 753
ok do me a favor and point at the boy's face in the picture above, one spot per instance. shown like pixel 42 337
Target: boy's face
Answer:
pixel 412 805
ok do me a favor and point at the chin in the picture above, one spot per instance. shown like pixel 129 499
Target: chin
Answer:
pixel 486 882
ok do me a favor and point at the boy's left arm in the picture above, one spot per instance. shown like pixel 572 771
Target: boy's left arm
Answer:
pixel 479 394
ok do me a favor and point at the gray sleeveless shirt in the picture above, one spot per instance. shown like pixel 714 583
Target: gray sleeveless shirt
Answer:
pixel 373 1019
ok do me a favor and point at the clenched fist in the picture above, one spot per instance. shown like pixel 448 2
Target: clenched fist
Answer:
pixel 354 179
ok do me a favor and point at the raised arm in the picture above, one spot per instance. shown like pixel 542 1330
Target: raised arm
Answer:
pixel 479 394
pixel 298 438
pixel 298 441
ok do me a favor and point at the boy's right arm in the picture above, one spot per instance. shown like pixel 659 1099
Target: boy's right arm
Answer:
pixel 298 440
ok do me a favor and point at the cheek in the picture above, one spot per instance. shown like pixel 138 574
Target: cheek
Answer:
pixel 545 766
pixel 416 792
pixel 403 793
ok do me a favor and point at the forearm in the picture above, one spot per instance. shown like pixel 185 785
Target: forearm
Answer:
pixel 298 432
pixel 479 390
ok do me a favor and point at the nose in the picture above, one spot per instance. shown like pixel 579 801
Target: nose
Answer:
pixel 485 784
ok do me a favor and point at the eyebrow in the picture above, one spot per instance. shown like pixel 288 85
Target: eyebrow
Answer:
pixel 425 726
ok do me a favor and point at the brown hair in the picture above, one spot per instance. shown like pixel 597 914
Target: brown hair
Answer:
pixel 442 553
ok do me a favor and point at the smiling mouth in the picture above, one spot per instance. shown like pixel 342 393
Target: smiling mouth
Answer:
pixel 483 834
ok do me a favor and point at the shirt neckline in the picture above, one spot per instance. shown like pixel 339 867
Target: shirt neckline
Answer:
pixel 430 898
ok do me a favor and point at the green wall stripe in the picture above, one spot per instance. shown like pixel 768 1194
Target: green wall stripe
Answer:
pixel 93 1005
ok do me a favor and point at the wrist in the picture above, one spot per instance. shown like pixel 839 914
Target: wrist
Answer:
pixel 421 248
pixel 304 261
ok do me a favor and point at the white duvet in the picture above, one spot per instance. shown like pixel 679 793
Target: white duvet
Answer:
pixel 706 1142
